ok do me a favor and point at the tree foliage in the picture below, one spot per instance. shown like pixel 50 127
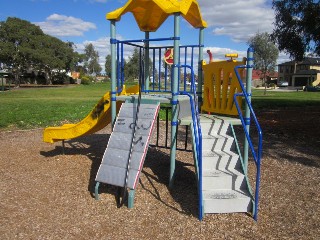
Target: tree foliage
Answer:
pixel 108 65
pixel 24 46
pixel 91 61
pixel 265 53
pixel 132 67
pixel 297 26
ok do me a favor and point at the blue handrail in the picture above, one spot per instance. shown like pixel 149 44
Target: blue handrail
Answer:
pixel 256 155
pixel 197 133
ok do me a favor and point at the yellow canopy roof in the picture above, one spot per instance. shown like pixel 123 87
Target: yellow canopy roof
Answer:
pixel 150 14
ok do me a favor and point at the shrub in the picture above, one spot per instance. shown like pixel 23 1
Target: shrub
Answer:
pixel 272 85
pixel 85 80
pixel 60 78
pixel 71 80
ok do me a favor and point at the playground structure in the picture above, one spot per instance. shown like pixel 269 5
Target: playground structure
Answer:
pixel 211 109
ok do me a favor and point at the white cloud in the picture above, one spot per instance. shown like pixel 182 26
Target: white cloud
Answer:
pixel 65 26
pixel 283 57
pixel 102 45
pixel 239 19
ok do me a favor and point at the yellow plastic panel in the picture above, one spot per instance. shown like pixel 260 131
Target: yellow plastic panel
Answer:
pixel 220 85
pixel 150 14
pixel 97 119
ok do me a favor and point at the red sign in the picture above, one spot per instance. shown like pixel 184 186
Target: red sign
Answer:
pixel 168 56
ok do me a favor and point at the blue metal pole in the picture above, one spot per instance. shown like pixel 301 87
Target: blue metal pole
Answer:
pixel 247 109
pixel 174 101
pixel 146 62
pixel 200 77
pixel 122 66
pixel 153 67
pixel 159 71
pixel 185 69
pixel 118 65
pixel 113 71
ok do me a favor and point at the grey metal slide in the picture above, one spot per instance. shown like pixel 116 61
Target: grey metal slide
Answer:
pixel 128 144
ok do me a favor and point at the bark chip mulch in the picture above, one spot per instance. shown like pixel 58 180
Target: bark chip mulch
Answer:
pixel 47 195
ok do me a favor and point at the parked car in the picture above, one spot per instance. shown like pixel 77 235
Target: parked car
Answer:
pixel 312 89
pixel 189 83
pixel 283 84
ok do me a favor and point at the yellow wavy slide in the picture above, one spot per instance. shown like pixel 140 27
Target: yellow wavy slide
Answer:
pixel 97 119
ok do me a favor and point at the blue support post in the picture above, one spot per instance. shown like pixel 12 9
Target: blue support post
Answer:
pixel 146 62
pixel 200 77
pixel 96 191
pixel 153 67
pixel 131 198
pixel 113 71
pixel 247 109
pixel 159 67
pixel 122 66
pixel 175 91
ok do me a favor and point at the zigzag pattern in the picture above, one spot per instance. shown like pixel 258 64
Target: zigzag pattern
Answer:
pixel 224 186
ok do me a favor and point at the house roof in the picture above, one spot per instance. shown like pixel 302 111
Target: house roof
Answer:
pixel 311 61
pixel 150 14
pixel 305 61
pixel 308 72
pixel 257 74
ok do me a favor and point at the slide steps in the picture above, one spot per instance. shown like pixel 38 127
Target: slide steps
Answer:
pixel 224 186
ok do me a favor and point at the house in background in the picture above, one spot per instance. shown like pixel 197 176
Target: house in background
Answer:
pixel 304 73
pixel 75 75
pixel 257 78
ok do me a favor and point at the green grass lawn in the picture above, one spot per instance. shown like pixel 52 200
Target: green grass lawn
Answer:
pixel 42 107
pixel 276 99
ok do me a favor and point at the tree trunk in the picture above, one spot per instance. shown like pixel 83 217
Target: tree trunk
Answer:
pixel 265 85
pixel 48 78
pixel 16 80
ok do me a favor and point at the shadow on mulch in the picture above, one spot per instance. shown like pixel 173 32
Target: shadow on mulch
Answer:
pixel 184 191
pixel 292 151
pixel 289 136
pixel 92 146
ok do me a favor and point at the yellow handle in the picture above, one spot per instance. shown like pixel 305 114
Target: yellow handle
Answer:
pixel 231 55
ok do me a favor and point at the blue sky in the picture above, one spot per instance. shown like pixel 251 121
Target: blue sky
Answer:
pixel 230 23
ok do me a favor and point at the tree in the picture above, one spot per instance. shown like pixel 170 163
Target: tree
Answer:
pixel 17 38
pixel 55 58
pixel 168 67
pixel 108 65
pixel 297 26
pixel 132 67
pixel 24 46
pixel 91 61
pixel 265 54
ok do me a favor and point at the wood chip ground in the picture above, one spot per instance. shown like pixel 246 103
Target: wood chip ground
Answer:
pixel 47 195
